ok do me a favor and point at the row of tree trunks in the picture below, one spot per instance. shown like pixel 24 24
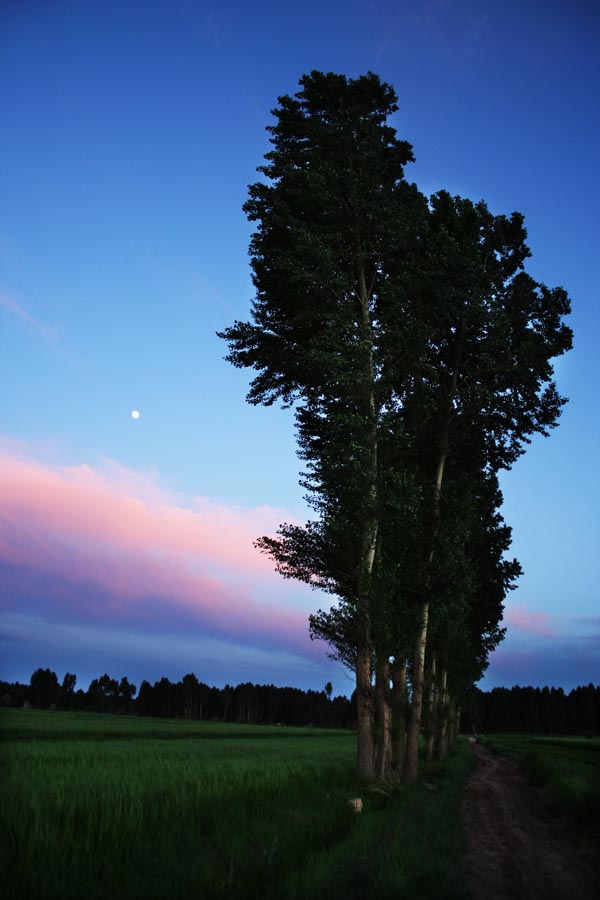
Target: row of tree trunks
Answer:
pixel 392 715
pixel 390 725
pixel 411 762
pixel 442 719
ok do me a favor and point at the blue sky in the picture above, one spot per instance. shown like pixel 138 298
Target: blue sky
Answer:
pixel 130 133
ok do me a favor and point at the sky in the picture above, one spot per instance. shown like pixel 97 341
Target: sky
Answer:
pixel 130 133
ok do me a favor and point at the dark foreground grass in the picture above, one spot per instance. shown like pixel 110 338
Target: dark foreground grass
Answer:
pixel 98 807
pixel 568 767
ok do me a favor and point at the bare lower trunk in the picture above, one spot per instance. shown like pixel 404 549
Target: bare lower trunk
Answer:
pixel 364 709
pixel 399 708
pixel 383 755
pixel 454 722
pixel 442 741
pixel 411 759
pixel 451 730
pixel 365 705
pixel 431 712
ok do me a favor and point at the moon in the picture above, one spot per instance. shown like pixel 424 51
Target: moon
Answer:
pixel 135 414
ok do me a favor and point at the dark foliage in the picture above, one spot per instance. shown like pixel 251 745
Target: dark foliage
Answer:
pixel 532 710
pixel 252 704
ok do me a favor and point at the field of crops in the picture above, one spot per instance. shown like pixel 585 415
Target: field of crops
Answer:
pixel 568 767
pixel 117 807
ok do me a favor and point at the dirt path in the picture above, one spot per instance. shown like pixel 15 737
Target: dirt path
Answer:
pixel 519 847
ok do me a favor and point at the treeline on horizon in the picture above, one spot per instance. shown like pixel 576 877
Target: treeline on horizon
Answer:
pixel 247 703
pixel 528 710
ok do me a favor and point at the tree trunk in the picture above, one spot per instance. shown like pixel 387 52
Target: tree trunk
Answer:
pixel 364 687
pixel 411 759
pixel 451 730
pixel 383 755
pixel 442 746
pixel 365 705
pixel 399 706
pixel 364 711
pixel 432 712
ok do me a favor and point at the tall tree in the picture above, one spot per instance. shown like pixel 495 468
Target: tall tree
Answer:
pixel 334 215
pixel 486 381
pixel 412 344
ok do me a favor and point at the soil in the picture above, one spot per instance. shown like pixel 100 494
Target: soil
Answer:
pixel 519 846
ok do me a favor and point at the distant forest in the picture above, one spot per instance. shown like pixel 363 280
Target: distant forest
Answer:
pixel 186 699
pixel 501 710
pixel 535 711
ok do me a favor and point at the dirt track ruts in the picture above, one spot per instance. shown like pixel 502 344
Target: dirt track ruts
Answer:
pixel 519 846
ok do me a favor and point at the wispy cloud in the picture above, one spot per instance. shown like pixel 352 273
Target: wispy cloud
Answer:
pixel 28 641
pixel 107 546
pixel 541 649
pixel 519 618
pixel 19 310
pixel 556 663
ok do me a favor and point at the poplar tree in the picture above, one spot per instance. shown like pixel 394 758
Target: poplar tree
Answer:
pixel 485 384
pixel 336 226
pixel 417 353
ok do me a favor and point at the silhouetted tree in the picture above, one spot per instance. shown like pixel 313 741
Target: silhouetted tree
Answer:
pixel 411 341
pixel 68 690
pixel 333 219
pixel 44 688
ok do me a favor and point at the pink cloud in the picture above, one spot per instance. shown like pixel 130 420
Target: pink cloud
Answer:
pixel 113 544
pixel 519 618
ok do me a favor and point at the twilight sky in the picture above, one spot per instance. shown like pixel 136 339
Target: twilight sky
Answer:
pixel 130 133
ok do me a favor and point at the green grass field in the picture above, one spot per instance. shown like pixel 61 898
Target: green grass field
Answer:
pixel 117 807
pixel 568 767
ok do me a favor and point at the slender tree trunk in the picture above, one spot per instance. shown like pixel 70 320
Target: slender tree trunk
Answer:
pixel 454 723
pixel 442 747
pixel 364 688
pixel 399 706
pixel 411 759
pixel 432 711
pixel 451 729
pixel 383 755
pixel 364 715
pixel 365 699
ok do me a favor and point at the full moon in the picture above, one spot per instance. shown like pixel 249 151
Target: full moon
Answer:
pixel 135 414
